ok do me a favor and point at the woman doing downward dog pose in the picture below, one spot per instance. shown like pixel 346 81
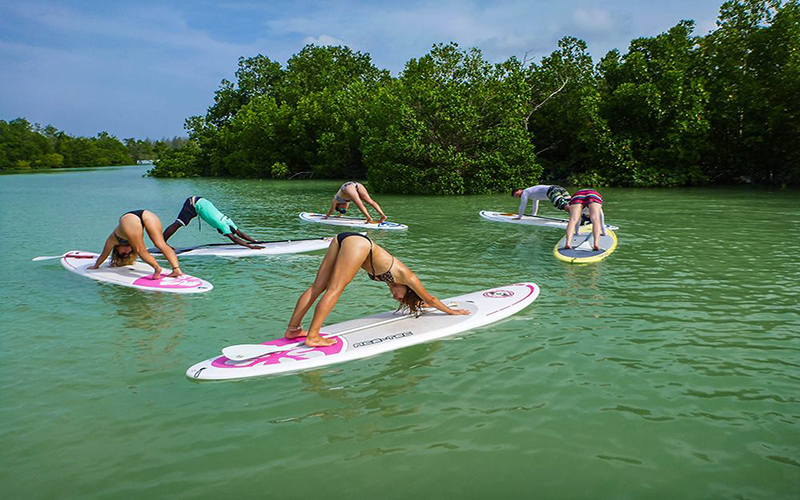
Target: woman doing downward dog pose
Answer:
pixel 126 243
pixel 197 206
pixel 353 192
pixel 593 203
pixel 347 253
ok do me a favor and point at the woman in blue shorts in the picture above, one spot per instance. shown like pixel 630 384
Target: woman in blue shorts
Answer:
pixel 197 206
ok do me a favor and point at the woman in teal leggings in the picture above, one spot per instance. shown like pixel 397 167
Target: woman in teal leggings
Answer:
pixel 197 206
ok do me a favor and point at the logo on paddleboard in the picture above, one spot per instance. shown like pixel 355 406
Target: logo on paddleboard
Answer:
pixel 498 294
pixel 380 340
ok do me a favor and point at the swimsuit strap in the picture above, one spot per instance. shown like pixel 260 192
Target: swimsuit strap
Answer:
pixel 385 277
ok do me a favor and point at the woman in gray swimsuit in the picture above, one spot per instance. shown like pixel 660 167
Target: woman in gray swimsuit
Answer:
pixel 353 192
pixel 340 265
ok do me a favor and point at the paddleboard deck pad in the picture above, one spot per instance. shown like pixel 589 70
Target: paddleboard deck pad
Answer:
pixel 530 220
pixel 133 276
pixel 270 248
pixel 340 220
pixel 582 251
pixel 390 331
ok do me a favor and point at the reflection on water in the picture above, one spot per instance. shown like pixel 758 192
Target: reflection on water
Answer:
pixel 145 310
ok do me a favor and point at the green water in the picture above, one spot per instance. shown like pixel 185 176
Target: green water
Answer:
pixel 669 370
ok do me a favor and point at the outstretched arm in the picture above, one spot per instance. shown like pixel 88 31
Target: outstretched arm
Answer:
pixel 245 236
pixel 535 209
pixel 171 229
pixel 523 202
pixel 415 284
pixel 233 238
pixel 331 209
pixel 107 248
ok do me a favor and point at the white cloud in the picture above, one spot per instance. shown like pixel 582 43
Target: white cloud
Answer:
pixel 323 40
pixel 593 20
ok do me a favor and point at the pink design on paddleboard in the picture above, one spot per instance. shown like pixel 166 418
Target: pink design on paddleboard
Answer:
pixel 183 281
pixel 298 353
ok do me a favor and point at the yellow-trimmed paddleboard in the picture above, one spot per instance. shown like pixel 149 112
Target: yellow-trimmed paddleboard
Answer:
pixel 582 251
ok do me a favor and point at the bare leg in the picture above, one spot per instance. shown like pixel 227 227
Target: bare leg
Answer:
pixel 352 193
pixel 597 225
pixel 308 297
pixel 348 261
pixel 153 226
pixel 574 218
pixel 364 194
pixel 131 228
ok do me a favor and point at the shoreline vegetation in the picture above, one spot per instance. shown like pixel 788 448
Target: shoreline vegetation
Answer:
pixel 675 110
pixel 28 147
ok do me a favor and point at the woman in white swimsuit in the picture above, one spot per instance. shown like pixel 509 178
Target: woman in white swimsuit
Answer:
pixel 354 192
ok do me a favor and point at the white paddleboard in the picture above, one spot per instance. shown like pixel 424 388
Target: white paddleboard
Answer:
pixel 374 335
pixel 134 276
pixel 530 220
pixel 341 220
pixel 270 248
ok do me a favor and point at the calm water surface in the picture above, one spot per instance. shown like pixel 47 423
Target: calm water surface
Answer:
pixel 670 370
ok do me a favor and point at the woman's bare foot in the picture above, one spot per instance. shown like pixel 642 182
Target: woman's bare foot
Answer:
pixel 317 341
pixel 596 249
pixel 566 247
pixel 156 275
pixel 293 332
pixel 383 218
pixel 175 273
pixel 370 221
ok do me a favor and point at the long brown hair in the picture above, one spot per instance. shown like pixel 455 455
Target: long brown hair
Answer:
pixel 412 302
pixel 117 260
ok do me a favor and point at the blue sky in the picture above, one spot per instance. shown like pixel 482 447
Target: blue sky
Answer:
pixel 139 68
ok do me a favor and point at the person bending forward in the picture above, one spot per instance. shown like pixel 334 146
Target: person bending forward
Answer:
pixel 353 192
pixel 197 206
pixel 126 243
pixel 347 253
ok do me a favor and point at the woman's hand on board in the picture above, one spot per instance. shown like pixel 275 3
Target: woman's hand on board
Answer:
pixel 459 312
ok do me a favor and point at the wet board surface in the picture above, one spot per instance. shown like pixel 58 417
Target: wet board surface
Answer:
pixel 529 220
pixel 340 220
pixel 582 251
pixel 270 248
pixel 373 335
pixel 134 276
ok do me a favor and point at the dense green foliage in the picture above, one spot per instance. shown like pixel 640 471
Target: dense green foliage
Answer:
pixel 679 109
pixel 24 146
pixel 452 124
pixel 675 110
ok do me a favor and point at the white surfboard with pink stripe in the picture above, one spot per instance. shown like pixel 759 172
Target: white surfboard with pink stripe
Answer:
pixel 137 275
pixel 360 338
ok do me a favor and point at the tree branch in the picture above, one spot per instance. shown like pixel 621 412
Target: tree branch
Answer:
pixel 563 84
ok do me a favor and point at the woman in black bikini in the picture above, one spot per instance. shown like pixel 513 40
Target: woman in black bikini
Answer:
pixel 340 265
pixel 126 243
